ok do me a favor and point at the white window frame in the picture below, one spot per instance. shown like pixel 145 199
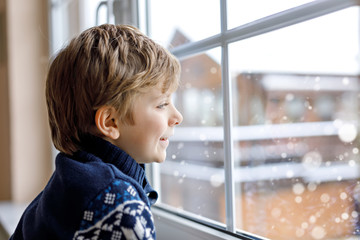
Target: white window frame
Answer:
pixel 172 224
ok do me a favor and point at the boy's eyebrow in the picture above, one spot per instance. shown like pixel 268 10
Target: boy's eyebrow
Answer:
pixel 164 95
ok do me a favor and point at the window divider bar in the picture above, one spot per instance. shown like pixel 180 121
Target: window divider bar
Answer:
pixel 148 17
pixel 228 145
pixel 287 18
pixel 193 48
pixel 228 141
pixel 273 22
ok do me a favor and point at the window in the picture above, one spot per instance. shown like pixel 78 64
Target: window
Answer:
pixel 269 143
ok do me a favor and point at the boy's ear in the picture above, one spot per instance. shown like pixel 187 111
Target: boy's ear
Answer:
pixel 107 123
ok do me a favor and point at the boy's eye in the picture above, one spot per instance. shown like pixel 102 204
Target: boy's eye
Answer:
pixel 161 106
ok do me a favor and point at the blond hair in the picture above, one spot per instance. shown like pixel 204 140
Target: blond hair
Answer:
pixel 104 65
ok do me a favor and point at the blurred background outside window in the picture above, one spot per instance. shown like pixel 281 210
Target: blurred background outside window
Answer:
pixel 295 120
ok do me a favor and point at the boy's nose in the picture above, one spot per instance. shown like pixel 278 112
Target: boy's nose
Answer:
pixel 177 118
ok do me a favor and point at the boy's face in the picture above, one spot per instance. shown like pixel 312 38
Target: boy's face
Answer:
pixel 154 119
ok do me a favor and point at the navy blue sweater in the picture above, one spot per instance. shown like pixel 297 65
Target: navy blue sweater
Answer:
pixel 98 193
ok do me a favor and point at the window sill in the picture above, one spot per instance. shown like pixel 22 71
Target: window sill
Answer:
pixel 10 214
pixel 172 226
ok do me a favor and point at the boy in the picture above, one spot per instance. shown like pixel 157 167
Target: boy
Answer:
pixel 110 111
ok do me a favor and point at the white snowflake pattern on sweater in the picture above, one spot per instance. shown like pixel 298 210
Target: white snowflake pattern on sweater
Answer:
pixel 130 220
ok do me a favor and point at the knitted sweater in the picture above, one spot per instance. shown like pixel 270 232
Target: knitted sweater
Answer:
pixel 98 193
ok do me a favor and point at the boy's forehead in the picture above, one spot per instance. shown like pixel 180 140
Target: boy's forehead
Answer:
pixel 162 88
pixel 156 92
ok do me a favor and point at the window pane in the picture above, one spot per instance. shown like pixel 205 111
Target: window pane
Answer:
pixel 296 121
pixel 241 12
pixel 187 20
pixel 69 18
pixel 192 177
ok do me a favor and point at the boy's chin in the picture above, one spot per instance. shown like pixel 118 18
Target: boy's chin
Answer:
pixel 156 160
pixel 160 160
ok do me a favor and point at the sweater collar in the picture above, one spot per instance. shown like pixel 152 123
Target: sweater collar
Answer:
pixel 110 153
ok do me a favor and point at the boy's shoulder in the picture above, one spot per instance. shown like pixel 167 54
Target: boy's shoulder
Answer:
pixel 117 212
pixel 118 193
pixel 112 205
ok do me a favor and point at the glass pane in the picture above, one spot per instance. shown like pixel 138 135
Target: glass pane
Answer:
pixel 69 18
pixel 241 12
pixel 192 177
pixel 296 123
pixel 185 20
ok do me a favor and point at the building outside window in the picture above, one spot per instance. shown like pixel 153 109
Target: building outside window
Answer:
pixel 293 119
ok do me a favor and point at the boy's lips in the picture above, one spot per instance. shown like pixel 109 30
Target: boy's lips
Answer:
pixel 164 141
pixel 166 136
